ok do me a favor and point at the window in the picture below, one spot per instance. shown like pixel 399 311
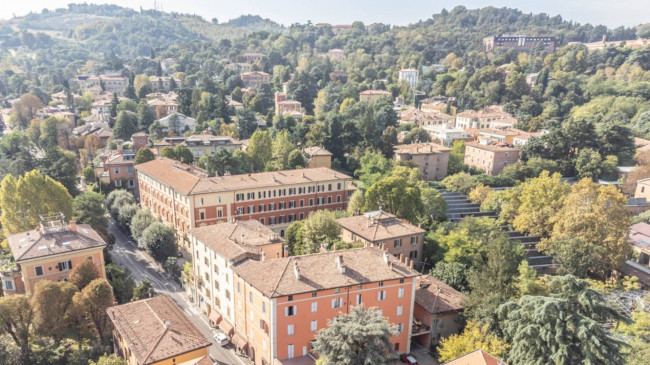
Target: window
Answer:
pixel 338 198
pixel 290 330
pixel 400 293
pixel 219 213
pixel 38 270
pixel 329 200
pixel 314 307
pixel 290 311
pixel 8 284
pixel 314 326
pixel 202 215
pixel 337 303
pixel 65 265
pixel 250 297
pixel 311 202
pixel 400 327
pixel 399 310
pixel 381 295
pixel 302 203
pixel 398 242
pixel 263 307
pixel 118 183
pixel 116 170
pixel 413 255
pixel 329 187
pixel 359 299
pixel 238 288
pixel 414 240
pixel 320 201
pixel 381 283
pixel 251 209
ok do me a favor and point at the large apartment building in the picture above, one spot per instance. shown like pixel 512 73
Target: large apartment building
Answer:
pixel 216 249
pixel 281 304
pixel 490 157
pixel 519 42
pixel 185 197
pixel 111 84
pixel 431 158
pixel 254 79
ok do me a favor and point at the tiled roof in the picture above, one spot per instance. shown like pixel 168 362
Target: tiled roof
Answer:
pixel 178 176
pixel 317 151
pixel 140 134
pixel 277 277
pixel 34 244
pixel 492 147
pixel 375 92
pixel 142 326
pixel 233 240
pixel 206 137
pixel 478 357
pixel 251 73
pixel 448 299
pixel 421 148
pixel 378 226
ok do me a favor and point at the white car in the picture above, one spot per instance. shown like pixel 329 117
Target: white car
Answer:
pixel 221 339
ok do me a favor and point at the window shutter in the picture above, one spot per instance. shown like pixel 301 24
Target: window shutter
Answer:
pixel 58 266
pixel 69 265
pixel 379 295
pixel 286 311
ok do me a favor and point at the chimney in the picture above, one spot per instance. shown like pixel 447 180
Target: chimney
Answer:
pixel 296 271
pixel 334 247
pixel 411 265
pixel 391 266
pixel 167 323
pixel 241 238
pixel 73 226
pixel 263 256
pixel 385 258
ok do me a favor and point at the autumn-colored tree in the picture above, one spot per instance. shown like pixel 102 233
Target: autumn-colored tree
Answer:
pixel 15 320
pixel 541 198
pixel 50 303
pixel 25 110
pixel 95 298
pixel 84 273
pixel 473 337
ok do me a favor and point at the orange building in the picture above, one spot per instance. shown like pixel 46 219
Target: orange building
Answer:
pixel 384 230
pixel 318 157
pixel 490 157
pixel 281 304
pixel 49 252
pixel 185 197
pixel 156 331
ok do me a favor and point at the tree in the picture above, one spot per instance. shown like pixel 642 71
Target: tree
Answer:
pixel 456 158
pixel 127 105
pixel 260 149
pixel 320 226
pixel 294 238
pixel 117 198
pixel 125 125
pixel 562 328
pixel 374 166
pixel 417 135
pixel 49 304
pixel 143 155
pixel 296 159
pixel 95 298
pixel 453 274
pixel 25 110
pixel 121 281
pixel 596 216
pixel 84 273
pixel 361 337
pixel 111 359
pixel 461 182
pixel 146 115
pixel 140 221
pixel 540 199
pixel 588 164
pixel 22 201
pixel 246 123
pixel 435 206
pixel 88 174
pixel 280 149
pixel 159 241
pixel 125 213
pixel 143 290
pixel 15 320
pixel 60 166
pixel 356 202
pixel 142 85
pixel 473 337
pixel 89 208
pixel 395 195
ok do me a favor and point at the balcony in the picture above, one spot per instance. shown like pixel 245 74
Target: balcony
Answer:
pixel 419 328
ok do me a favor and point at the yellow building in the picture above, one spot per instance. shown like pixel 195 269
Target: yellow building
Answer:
pixel 318 157
pixel 370 96
pixel 49 252
pixel 156 331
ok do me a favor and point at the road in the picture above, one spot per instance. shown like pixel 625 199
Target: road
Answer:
pixel 126 255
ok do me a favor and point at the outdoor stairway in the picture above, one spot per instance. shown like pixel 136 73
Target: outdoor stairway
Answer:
pixel 459 207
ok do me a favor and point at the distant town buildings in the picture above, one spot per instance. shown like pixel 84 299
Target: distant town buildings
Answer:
pixel 164 83
pixel 490 157
pixel 251 57
pixel 163 104
pixel 374 95
pixel 336 54
pixel 519 42
pixel 410 76
pixel 111 84
pixel 286 106
pixel 386 231
pixel 49 252
pixel 208 144
pixel 431 159
pixel 178 123
pixel 254 79
pixel 318 157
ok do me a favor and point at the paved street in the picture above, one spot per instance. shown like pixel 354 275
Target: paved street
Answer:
pixel 126 255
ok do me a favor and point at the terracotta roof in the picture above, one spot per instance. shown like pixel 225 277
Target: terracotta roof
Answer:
pixel 375 92
pixel 117 159
pixel 277 278
pixel 447 300
pixel 492 147
pixel 317 151
pixel 250 73
pixel 140 134
pixel 421 148
pixel 102 132
pixel 501 132
pixel 178 176
pixel 35 243
pixel 478 357
pixel 234 240
pixel 378 226
pixel 142 326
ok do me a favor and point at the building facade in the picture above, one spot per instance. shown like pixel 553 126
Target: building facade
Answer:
pixel 281 304
pixel 437 310
pixel 384 230
pixel 490 157
pixel 49 252
pixel 254 79
pixel 409 76
pixel 518 42
pixel 318 157
pixel 370 96
pixel 431 159
pixel 111 84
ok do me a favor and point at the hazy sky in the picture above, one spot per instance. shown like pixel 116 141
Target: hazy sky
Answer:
pixel 612 13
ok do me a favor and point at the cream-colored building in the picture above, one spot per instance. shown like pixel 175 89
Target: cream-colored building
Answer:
pixel 374 95
pixel 318 157
pixel 254 79
pixel 431 159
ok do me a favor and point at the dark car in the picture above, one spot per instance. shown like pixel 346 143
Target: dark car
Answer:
pixel 408 359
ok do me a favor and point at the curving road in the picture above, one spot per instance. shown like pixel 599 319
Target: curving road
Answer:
pixel 126 255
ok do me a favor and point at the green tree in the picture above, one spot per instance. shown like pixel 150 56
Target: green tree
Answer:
pixel 588 164
pixel 456 158
pixel 453 274
pixel 260 149
pixel 88 174
pixel 144 290
pixel 89 208
pixel 15 320
pixel 143 155
pixel 159 241
pixel 461 182
pixel 60 166
pixel 118 197
pixel 246 123
pixel 319 227
pixel 127 105
pixel 417 135
pixel 296 159
pixel 294 238
pixel 435 206
pixel 121 281
pixel 111 359
pixel 562 328
pixel 141 221
pixel 474 336
pixel 84 273
pixel 125 213
pixel 146 115
pixel 22 201
pixel 142 85
pixel 125 125
pixel 280 149
pixel 395 195
pixel 374 166
pixel 356 202
pixel 359 337
pixel 540 199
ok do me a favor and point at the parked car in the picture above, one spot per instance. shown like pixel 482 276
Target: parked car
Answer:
pixel 221 339
pixel 408 359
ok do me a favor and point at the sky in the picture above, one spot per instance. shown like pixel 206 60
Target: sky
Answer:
pixel 612 13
